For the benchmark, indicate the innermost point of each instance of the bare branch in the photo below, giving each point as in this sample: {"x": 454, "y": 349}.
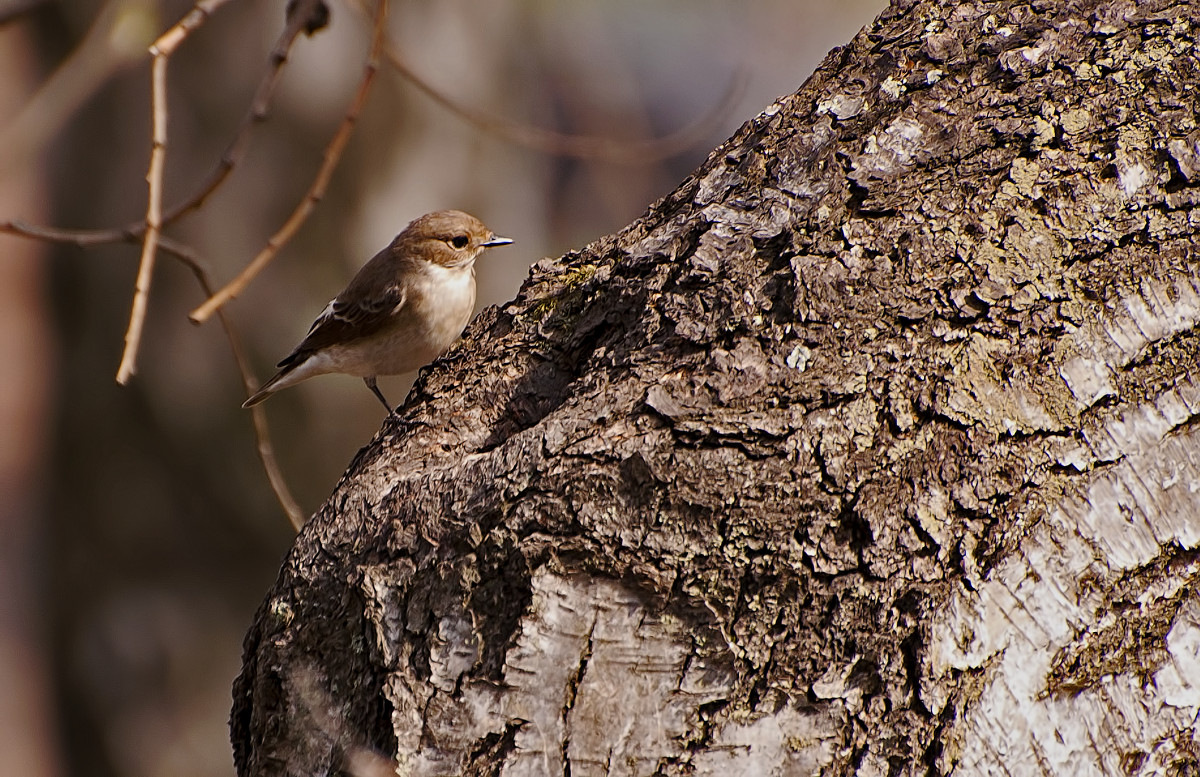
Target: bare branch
{"x": 162, "y": 50}
{"x": 316, "y": 191}
{"x": 149, "y": 230}
{"x": 262, "y": 436}
{"x": 262, "y": 432}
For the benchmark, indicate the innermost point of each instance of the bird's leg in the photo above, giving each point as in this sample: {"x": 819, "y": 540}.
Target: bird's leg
{"x": 375, "y": 390}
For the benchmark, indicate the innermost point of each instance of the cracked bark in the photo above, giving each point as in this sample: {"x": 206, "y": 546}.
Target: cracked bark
{"x": 869, "y": 450}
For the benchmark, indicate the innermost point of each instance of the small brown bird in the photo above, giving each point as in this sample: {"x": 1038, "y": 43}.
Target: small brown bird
{"x": 401, "y": 311}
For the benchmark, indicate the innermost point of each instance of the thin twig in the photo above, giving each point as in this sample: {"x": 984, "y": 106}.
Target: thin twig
{"x": 80, "y": 238}
{"x": 158, "y": 153}
{"x": 316, "y": 191}
{"x": 262, "y": 436}
{"x": 262, "y": 432}
{"x": 576, "y": 146}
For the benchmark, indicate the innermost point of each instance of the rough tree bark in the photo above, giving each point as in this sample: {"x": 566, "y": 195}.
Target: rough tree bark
{"x": 871, "y": 449}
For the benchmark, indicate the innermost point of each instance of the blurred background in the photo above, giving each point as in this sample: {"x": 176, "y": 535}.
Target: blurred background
{"x": 137, "y": 530}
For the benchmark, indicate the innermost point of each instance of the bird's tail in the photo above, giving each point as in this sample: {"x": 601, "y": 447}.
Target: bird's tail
{"x": 301, "y": 365}
{"x": 266, "y": 390}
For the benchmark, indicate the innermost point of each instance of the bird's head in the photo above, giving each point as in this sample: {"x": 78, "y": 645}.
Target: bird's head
{"x": 450, "y": 238}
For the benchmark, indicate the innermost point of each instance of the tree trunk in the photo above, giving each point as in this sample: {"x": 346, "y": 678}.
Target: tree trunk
{"x": 869, "y": 450}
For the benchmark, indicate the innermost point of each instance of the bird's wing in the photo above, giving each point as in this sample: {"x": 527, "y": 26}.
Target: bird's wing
{"x": 344, "y": 321}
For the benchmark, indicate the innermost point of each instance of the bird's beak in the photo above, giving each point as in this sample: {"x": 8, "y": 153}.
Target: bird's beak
{"x": 497, "y": 241}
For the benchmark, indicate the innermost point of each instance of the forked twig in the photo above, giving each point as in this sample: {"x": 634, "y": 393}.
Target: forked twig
{"x": 296, "y": 23}
{"x": 316, "y": 191}
{"x": 161, "y": 50}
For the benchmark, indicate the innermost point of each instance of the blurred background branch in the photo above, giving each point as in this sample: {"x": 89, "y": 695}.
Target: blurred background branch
{"x": 137, "y": 530}
{"x": 607, "y": 149}
{"x": 115, "y": 41}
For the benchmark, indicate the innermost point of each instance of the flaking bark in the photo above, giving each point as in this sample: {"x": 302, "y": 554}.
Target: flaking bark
{"x": 869, "y": 450}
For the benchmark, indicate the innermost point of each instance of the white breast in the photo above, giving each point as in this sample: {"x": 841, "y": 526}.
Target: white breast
{"x": 438, "y": 305}
{"x": 447, "y": 300}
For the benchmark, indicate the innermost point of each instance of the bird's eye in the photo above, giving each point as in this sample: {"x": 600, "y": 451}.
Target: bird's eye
{"x": 459, "y": 241}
